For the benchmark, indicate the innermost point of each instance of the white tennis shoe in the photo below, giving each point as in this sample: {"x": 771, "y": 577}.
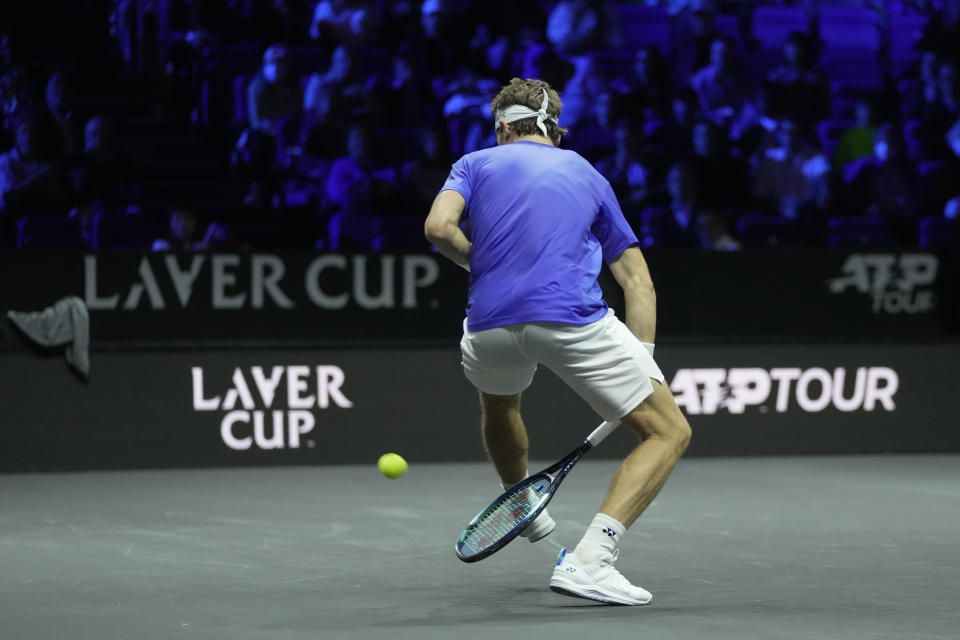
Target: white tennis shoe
{"x": 595, "y": 581}
{"x": 540, "y": 528}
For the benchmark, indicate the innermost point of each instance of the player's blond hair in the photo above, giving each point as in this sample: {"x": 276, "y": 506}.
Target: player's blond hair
{"x": 529, "y": 93}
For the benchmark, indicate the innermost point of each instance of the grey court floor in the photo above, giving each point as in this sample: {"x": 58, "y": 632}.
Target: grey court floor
{"x": 806, "y": 547}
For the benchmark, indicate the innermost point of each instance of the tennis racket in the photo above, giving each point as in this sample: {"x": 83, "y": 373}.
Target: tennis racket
{"x": 518, "y": 506}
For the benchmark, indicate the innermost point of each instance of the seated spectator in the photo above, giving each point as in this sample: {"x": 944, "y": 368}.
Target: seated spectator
{"x": 339, "y": 21}
{"x": 797, "y": 89}
{"x": 719, "y": 85}
{"x": 14, "y": 94}
{"x": 340, "y": 90}
{"x": 60, "y": 112}
{"x": 356, "y": 191}
{"x": 594, "y": 136}
{"x": 940, "y": 115}
{"x": 181, "y": 61}
{"x": 580, "y": 90}
{"x": 884, "y": 183}
{"x": 274, "y": 110}
{"x": 717, "y": 184}
{"x": 575, "y": 27}
{"x": 648, "y": 87}
{"x": 721, "y": 177}
{"x": 920, "y": 88}
{"x": 100, "y": 176}
{"x": 624, "y": 169}
{"x": 669, "y": 140}
{"x": 682, "y": 189}
{"x": 525, "y": 18}
{"x": 466, "y": 111}
{"x": 791, "y": 176}
{"x": 442, "y": 43}
{"x": 491, "y": 53}
{"x": 857, "y": 141}
{"x": 695, "y": 31}
{"x": 185, "y": 233}
{"x": 685, "y": 221}
{"x": 537, "y": 60}
{"x": 27, "y": 179}
{"x": 405, "y": 100}
{"x": 424, "y": 175}
{"x": 273, "y": 97}
{"x": 752, "y": 129}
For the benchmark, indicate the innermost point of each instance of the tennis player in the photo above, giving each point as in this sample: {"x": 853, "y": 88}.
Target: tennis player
{"x": 540, "y": 220}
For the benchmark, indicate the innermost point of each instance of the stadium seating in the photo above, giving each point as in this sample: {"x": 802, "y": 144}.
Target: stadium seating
{"x": 772, "y": 25}
{"x": 46, "y": 231}
{"x": 645, "y": 25}
{"x": 937, "y": 232}
{"x": 122, "y": 231}
{"x": 859, "y": 231}
{"x": 851, "y": 40}
{"x": 757, "y": 230}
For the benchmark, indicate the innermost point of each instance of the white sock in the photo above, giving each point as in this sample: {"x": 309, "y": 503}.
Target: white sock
{"x": 505, "y": 485}
{"x": 600, "y": 540}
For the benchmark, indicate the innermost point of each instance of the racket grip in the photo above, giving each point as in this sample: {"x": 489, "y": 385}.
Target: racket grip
{"x": 600, "y": 433}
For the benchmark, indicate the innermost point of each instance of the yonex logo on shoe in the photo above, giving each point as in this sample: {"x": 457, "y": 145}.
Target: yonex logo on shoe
{"x": 609, "y": 532}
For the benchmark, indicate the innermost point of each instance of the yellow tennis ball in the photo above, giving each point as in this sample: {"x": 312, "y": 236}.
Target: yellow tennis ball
{"x": 391, "y": 465}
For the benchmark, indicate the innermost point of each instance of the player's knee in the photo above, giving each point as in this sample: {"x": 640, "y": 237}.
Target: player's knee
{"x": 682, "y": 434}
{"x": 676, "y": 431}
{"x": 670, "y": 426}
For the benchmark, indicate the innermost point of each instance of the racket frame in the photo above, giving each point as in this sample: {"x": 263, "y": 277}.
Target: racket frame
{"x": 554, "y": 474}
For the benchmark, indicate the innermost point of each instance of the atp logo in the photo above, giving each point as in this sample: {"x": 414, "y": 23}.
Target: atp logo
{"x": 707, "y": 391}
{"x": 896, "y": 284}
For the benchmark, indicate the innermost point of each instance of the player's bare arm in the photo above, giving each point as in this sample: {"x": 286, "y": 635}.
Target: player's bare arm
{"x": 442, "y": 227}
{"x": 630, "y": 271}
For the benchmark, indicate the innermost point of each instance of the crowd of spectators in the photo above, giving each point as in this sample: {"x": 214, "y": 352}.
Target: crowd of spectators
{"x": 716, "y": 129}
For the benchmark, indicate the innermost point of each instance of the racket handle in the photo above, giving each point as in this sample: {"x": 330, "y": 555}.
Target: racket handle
{"x": 602, "y": 432}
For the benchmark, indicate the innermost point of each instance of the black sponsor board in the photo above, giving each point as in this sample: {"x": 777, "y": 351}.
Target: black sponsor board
{"x": 228, "y": 298}
{"x": 311, "y": 298}
{"x": 199, "y": 408}
{"x": 822, "y": 294}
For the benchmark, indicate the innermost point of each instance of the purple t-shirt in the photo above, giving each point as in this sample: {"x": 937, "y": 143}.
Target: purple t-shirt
{"x": 541, "y": 220}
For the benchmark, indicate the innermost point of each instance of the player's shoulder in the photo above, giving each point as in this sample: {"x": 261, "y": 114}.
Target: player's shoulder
{"x": 575, "y": 158}
{"x": 584, "y": 167}
{"x": 511, "y": 152}
{"x": 476, "y": 159}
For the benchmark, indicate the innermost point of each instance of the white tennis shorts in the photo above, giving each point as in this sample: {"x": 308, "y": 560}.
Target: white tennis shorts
{"x": 602, "y": 362}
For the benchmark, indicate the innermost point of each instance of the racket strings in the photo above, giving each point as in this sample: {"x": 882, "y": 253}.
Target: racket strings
{"x": 502, "y": 517}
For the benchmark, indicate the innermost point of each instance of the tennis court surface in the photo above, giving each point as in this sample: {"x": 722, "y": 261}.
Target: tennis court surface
{"x": 831, "y": 547}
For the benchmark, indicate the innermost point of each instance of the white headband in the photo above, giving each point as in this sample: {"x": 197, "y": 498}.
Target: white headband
{"x": 519, "y": 112}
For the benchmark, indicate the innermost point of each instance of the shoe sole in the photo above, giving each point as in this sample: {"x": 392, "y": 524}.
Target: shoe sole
{"x": 558, "y": 585}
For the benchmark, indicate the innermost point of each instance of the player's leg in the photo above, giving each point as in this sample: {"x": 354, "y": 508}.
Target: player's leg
{"x": 588, "y": 572}
{"x": 495, "y": 366}
{"x": 612, "y": 371}
{"x": 666, "y": 434}
{"x": 505, "y": 438}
